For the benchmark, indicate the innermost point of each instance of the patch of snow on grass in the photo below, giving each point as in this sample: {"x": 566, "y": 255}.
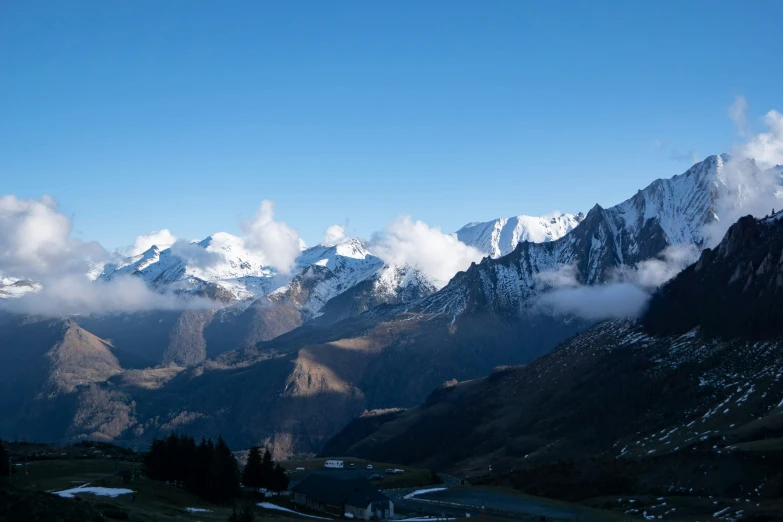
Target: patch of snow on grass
{"x": 269, "y": 505}
{"x": 422, "y": 492}
{"x": 101, "y": 492}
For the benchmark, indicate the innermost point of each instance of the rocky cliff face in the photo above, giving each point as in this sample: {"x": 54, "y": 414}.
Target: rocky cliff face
{"x": 735, "y": 289}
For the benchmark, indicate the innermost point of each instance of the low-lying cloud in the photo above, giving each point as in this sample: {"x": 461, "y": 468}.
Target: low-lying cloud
{"x": 437, "y": 255}
{"x": 75, "y": 294}
{"x": 606, "y": 301}
{"x": 626, "y": 295}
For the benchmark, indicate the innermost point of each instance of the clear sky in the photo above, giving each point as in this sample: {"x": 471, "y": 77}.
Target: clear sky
{"x": 143, "y": 115}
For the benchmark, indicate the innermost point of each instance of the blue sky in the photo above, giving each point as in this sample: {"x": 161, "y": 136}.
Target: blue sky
{"x": 184, "y": 115}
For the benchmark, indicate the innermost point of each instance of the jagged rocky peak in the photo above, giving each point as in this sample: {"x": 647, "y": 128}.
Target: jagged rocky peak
{"x": 734, "y": 290}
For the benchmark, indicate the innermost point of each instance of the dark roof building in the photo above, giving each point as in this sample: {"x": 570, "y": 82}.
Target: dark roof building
{"x": 336, "y": 496}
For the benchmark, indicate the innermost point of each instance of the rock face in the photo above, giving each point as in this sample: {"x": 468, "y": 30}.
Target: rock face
{"x": 735, "y": 289}
{"x": 668, "y": 212}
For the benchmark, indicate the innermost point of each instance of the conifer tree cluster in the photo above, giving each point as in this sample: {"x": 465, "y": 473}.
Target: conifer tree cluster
{"x": 261, "y": 472}
{"x": 208, "y": 470}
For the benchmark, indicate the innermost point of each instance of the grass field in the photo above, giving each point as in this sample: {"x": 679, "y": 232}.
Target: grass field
{"x": 155, "y": 501}
{"x": 62, "y": 468}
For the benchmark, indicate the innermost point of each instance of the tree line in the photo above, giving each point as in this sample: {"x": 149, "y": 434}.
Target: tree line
{"x": 5, "y": 459}
{"x": 209, "y": 469}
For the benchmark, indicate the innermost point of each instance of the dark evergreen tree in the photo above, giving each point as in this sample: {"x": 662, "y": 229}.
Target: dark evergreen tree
{"x": 279, "y": 479}
{"x": 204, "y": 455}
{"x": 224, "y": 474}
{"x": 172, "y": 461}
{"x": 5, "y": 468}
{"x": 267, "y": 470}
{"x": 210, "y": 471}
{"x": 154, "y": 460}
{"x": 252, "y": 475}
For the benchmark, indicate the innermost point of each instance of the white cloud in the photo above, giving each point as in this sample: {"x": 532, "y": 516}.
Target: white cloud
{"x": 737, "y": 113}
{"x": 36, "y": 240}
{"x": 626, "y": 295}
{"x": 75, "y": 294}
{"x": 334, "y": 235}
{"x": 160, "y": 238}
{"x": 652, "y": 273}
{"x": 767, "y": 148}
{"x": 437, "y": 255}
{"x": 607, "y": 301}
{"x": 195, "y": 255}
{"x": 279, "y": 243}
{"x": 564, "y": 276}
{"x": 752, "y": 188}
{"x": 36, "y": 243}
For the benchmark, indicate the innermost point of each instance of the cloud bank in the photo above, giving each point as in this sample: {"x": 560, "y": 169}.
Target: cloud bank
{"x": 75, "y": 294}
{"x": 626, "y": 295}
{"x": 437, "y": 255}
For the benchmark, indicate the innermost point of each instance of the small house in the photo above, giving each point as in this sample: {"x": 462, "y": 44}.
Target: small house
{"x": 356, "y": 497}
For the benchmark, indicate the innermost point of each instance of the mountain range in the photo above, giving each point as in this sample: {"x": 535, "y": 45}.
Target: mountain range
{"x": 291, "y": 359}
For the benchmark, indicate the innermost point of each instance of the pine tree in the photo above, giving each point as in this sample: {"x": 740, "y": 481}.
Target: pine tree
{"x": 224, "y": 474}
{"x": 4, "y": 461}
{"x": 252, "y": 476}
{"x": 279, "y": 479}
{"x": 204, "y": 455}
{"x": 155, "y": 459}
{"x": 267, "y": 470}
{"x": 171, "y": 461}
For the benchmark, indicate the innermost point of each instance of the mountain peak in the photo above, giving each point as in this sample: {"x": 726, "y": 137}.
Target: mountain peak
{"x": 501, "y": 236}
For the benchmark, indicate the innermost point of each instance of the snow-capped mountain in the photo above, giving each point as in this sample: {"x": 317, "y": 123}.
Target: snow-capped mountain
{"x": 220, "y": 267}
{"x": 668, "y": 212}
{"x": 220, "y": 263}
{"x": 11, "y": 287}
{"x": 500, "y": 236}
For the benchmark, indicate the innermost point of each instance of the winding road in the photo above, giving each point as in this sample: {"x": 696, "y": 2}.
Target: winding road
{"x": 459, "y": 501}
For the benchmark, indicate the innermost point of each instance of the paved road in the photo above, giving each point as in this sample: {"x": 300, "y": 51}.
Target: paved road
{"x": 457, "y": 501}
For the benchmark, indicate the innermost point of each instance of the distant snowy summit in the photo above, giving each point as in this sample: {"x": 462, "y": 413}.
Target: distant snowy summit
{"x": 501, "y": 236}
